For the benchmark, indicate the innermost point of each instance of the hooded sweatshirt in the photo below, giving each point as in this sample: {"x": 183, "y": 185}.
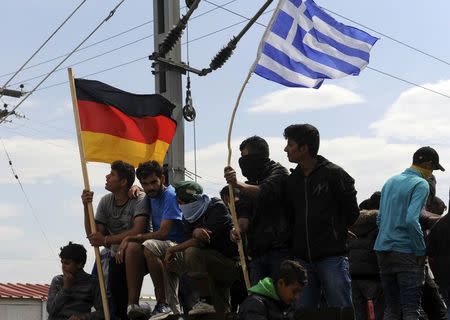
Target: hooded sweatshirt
{"x": 325, "y": 205}
{"x": 264, "y": 303}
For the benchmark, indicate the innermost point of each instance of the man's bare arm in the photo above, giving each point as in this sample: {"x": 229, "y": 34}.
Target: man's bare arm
{"x": 161, "y": 234}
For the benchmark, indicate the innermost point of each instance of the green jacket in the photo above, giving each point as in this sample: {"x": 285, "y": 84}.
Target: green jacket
{"x": 264, "y": 303}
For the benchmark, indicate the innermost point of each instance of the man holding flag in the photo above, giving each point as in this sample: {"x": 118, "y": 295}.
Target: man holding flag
{"x": 117, "y": 217}
{"x": 113, "y": 124}
{"x": 301, "y": 47}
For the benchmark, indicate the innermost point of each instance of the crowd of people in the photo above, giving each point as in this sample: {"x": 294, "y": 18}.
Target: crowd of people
{"x": 307, "y": 242}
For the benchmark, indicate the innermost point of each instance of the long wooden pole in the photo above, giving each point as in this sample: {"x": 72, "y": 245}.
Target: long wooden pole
{"x": 230, "y": 187}
{"x": 98, "y": 261}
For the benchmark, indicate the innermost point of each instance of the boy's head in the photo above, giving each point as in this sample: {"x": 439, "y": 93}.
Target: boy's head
{"x": 73, "y": 257}
{"x": 289, "y": 281}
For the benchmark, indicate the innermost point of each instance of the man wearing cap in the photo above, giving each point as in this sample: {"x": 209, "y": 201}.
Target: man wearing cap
{"x": 209, "y": 253}
{"x": 400, "y": 244}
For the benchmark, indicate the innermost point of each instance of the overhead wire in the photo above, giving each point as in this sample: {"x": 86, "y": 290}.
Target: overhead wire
{"x": 355, "y": 22}
{"x": 106, "y": 39}
{"x": 189, "y": 88}
{"x": 82, "y": 48}
{"x": 409, "y": 82}
{"x": 143, "y": 58}
{"x": 223, "y": 29}
{"x": 389, "y": 37}
{"x": 27, "y": 198}
{"x": 42, "y": 45}
{"x": 125, "y": 45}
{"x": 87, "y": 59}
{"x": 112, "y": 12}
{"x": 370, "y": 68}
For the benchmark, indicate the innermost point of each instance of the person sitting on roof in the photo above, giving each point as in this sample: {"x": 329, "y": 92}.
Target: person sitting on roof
{"x": 117, "y": 217}
{"x": 209, "y": 253}
{"x": 73, "y": 293}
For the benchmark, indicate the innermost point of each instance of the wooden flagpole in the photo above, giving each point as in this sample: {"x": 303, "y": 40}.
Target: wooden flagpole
{"x": 230, "y": 188}
{"x": 101, "y": 278}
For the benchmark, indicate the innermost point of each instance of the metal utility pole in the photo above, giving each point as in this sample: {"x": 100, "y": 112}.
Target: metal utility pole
{"x": 166, "y": 14}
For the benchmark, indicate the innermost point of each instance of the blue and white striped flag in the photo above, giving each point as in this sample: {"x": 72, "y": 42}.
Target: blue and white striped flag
{"x": 303, "y": 45}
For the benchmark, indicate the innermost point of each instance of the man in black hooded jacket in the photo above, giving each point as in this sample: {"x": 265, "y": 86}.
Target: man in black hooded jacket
{"x": 270, "y": 230}
{"x": 323, "y": 198}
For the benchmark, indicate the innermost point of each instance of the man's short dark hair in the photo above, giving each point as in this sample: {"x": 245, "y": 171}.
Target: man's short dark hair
{"x": 436, "y": 206}
{"x": 291, "y": 272}
{"x": 149, "y": 168}
{"x": 75, "y": 252}
{"x": 255, "y": 145}
{"x": 124, "y": 171}
{"x": 373, "y": 203}
{"x": 304, "y": 134}
{"x": 225, "y": 192}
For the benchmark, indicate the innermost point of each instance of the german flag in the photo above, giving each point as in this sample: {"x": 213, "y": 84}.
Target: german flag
{"x": 118, "y": 125}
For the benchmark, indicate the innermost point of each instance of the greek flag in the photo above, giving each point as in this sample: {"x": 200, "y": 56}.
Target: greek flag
{"x": 303, "y": 45}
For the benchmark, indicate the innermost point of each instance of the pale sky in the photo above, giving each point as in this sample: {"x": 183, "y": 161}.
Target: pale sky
{"x": 370, "y": 124}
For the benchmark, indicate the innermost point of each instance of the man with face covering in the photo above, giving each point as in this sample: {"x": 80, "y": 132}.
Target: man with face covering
{"x": 270, "y": 229}
{"x": 209, "y": 253}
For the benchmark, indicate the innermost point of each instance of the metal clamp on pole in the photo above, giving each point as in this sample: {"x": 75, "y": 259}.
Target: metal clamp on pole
{"x": 219, "y": 59}
{"x": 169, "y": 64}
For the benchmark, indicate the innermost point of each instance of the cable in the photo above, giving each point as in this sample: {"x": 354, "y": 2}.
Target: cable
{"x": 109, "y": 38}
{"x": 409, "y": 82}
{"x": 27, "y": 198}
{"x": 371, "y": 68}
{"x": 225, "y": 28}
{"x": 16, "y": 130}
{"x": 87, "y": 59}
{"x": 45, "y": 42}
{"x": 189, "y": 90}
{"x": 95, "y": 73}
{"x": 389, "y": 37}
{"x": 355, "y": 22}
{"x": 67, "y": 57}
{"x": 142, "y": 58}
{"x": 218, "y": 6}
{"x": 83, "y": 48}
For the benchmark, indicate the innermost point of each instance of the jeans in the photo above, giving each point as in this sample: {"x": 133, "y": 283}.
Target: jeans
{"x": 266, "y": 265}
{"x": 329, "y": 276}
{"x": 433, "y": 304}
{"x": 403, "y": 293}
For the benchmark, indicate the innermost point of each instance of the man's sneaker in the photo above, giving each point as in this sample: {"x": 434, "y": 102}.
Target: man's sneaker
{"x": 161, "y": 311}
{"x": 134, "y": 311}
{"x": 202, "y": 308}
